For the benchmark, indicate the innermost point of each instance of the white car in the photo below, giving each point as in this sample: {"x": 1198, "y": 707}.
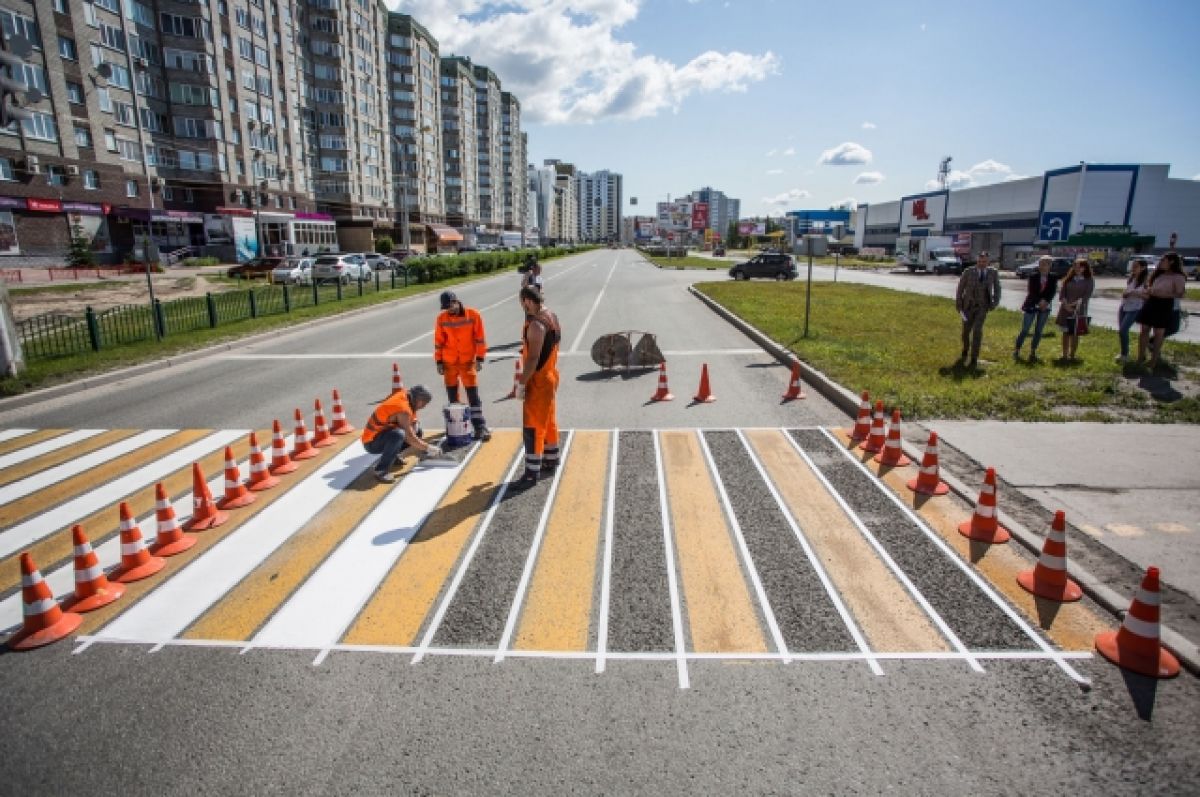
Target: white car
{"x": 296, "y": 271}
{"x": 1151, "y": 262}
{"x": 340, "y": 268}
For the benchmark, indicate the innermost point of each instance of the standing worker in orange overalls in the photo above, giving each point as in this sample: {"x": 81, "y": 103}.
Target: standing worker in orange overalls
{"x": 538, "y": 386}
{"x": 459, "y": 348}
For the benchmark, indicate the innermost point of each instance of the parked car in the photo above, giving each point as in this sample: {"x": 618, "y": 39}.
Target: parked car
{"x": 1058, "y": 268}
{"x": 294, "y": 271}
{"x": 257, "y": 267}
{"x": 718, "y": 251}
{"x": 1191, "y": 267}
{"x": 773, "y": 265}
{"x": 340, "y": 268}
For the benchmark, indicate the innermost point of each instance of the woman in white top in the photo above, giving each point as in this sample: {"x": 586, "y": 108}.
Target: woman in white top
{"x": 1166, "y": 287}
{"x": 1131, "y": 304}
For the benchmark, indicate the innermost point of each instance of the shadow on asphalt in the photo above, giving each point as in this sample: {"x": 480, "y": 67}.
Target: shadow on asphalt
{"x": 1159, "y": 388}
{"x": 446, "y": 518}
{"x": 1047, "y": 611}
{"x": 616, "y": 373}
{"x": 1143, "y": 690}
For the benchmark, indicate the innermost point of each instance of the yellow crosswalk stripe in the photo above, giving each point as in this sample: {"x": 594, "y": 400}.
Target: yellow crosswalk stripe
{"x": 396, "y": 612}
{"x": 52, "y": 458}
{"x": 558, "y": 606}
{"x": 26, "y": 440}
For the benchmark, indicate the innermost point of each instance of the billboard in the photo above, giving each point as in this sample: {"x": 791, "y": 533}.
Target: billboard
{"x": 923, "y": 212}
{"x": 752, "y": 228}
{"x": 675, "y": 215}
{"x": 645, "y": 229}
{"x": 699, "y": 215}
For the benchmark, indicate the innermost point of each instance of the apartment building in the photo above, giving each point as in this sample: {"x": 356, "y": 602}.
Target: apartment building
{"x": 459, "y": 142}
{"x": 488, "y": 155}
{"x": 600, "y": 200}
{"x": 721, "y": 209}
{"x": 564, "y": 213}
{"x": 512, "y": 163}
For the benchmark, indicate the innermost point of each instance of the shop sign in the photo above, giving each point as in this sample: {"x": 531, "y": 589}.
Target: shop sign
{"x": 314, "y": 217}
{"x": 235, "y": 212}
{"x": 185, "y": 216}
{"x": 82, "y": 207}
{"x": 1107, "y": 229}
{"x": 12, "y": 202}
{"x": 44, "y": 205}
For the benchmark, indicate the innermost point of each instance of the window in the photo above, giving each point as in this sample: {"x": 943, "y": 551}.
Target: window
{"x": 66, "y": 49}
{"x": 110, "y": 140}
{"x": 109, "y": 5}
{"x": 74, "y": 93}
{"x": 15, "y": 24}
{"x": 139, "y": 13}
{"x": 41, "y": 126}
{"x": 112, "y": 37}
{"x": 188, "y": 94}
{"x": 168, "y": 192}
{"x": 131, "y": 188}
{"x": 188, "y": 27}
{"x": 104, "y": 99}
{"x": 91, "y": 179}
{"x": 129, "y": 150}
{"x": 188, "y": 60}
{"x": 188, "y": 197}
{"x": 83, "y": 136}
{"x": 60, "y": 6}
{"x": 6, "y": 169}
{"x": 123, "y": 113}
{"x": 261, "y": 58}
{"x": 245, "y": 48}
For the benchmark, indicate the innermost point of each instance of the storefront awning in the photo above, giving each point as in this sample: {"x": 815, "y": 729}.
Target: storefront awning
{"x": 444, "y": 233}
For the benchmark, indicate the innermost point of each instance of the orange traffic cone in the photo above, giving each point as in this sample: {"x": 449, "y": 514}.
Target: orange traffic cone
{"x": 875, "y": 439}
{"x": 892, "y": 455}
{"x": 512, "y": 394}
{"x": 1048, "y": 579}
{"x": 171, "y": 539}
{"x": 340, "y": 424}
{"x": 795, "y": 389}
{"x": 280, "y": 461}
{"x": 663, "y": 393}
{"x": 205, "y": 513}
{"x": 862, "y": 425}
{"x": 136, "y": 561}
{"x": 260, "y": 474}
{"x": 301, "y": 447}
{"x": 1136, "y": 646}
{"x": 928, "y": 481}
{"x": 983, "y": 526}
{"x": 704, "y": 394}
{"x": 44, "y": 620}
{"x": 92, "y": 587}
{"x": 321, "y": 435}
{"x": 236, "y": 494}
{"x": 397, "y": 380}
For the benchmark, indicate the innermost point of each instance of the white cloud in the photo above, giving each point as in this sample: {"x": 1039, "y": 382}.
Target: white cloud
{"x": 869, "y": 178}
{"x": 868, "y": 125}
{"x": 790, "y": 151}
{"x": 990, "y": 166}
{"x": 922, "y": 26}
{"x": 771, "y": 153}
{"x": 847, "y": 153}
{"x": 849, "y": 203}
{"x": 565, "y": 61}
{"x": 786, "y": 198}
{"x": 982, "y": 173}
{"x": 774, "y": 171}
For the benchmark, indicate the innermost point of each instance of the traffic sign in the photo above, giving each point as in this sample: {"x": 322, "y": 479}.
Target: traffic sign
{"x": 1055, "y": 226}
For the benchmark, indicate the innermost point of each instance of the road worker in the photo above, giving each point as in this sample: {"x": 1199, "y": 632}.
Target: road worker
{"x": 537, "y": 385}
{"x": 459, "y": 349}
{"x": 393, "y": 432}
{"x": 533, "y": 274}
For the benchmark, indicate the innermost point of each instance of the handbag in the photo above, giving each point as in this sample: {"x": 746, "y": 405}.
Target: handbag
{"x": 1081, "y": 325}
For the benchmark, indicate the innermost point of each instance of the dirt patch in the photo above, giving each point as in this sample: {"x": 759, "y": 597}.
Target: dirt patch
{"x": 113, "y": 292}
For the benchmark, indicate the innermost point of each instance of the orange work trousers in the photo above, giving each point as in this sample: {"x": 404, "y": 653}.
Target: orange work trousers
{"x": 539, "y": 415}
{"x": 452, "y": 372}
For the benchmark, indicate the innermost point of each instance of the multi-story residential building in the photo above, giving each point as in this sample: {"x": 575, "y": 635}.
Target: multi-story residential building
{"x": 512, "y": 163}
{"x": 564, "y": 214}
{"x": 487, "y": 130}
{"x": 541, "y": 199}
{"x": 459, "y": 141}
{"x": 600, "y": 202}
{"x": 721, "y": 209}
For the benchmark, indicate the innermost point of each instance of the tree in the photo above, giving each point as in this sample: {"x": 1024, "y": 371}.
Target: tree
{"x": 384, "y": 245}
{"x": 731, "y": 235}
{"x": 79, "y": 253}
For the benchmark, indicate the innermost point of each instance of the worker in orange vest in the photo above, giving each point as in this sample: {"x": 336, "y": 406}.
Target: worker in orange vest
{"x": 393, "y": 431}
{"x": 537, "y": 385}
{"x": 459, "y": 349}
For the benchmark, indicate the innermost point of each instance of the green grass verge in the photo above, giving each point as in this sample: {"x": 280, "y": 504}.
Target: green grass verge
{"x": 691, "y": 262}
{"x": 902, "y": 347}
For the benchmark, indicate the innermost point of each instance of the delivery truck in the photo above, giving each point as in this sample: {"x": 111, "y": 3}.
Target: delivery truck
{"x": 934, "y": 253}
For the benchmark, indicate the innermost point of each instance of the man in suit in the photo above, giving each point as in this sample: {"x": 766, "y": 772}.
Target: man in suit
{"x": 978, "y": 293}
{"x": 1039, "y": 293}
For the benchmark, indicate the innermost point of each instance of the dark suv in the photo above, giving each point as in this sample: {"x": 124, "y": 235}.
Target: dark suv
{"x": 1058, "y": 268}
{"x": 773, "y": 265}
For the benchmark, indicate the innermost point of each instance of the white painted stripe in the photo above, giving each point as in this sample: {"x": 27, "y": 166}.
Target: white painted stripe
{"x": 1140, "y": 627}
{"x": 25, "y": 534}
{"x": 323, "y": 607}
{"x": 527, "y": 573}
{"x": 12, "y": 434}
{"x": 46, "y": 446}
{"x": 46, "y": 478}
{"x": 606, "y": 567}
{"x": 176, "y": 604}
{"x": 461, "y": 573}
{"x": 672, "y": 584}
{"x": 903, "y": 578}
{"x": 747, "y": 561}
{"x": 856, "y": 634}
{"x": 1058, "y": 656}
{"x": 595, "y": 306}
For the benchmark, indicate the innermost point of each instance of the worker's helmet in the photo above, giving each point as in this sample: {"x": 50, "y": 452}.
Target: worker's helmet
{"x": 448, "y": 298}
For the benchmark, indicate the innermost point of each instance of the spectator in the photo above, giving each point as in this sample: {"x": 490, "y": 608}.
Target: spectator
{"x": 978, "y": 293}
{"x": 1164, "y": 290}
{"x": 1072, "y": 319}
{"x": 1131, "y": 304}
{"x": 1039, "y": 293}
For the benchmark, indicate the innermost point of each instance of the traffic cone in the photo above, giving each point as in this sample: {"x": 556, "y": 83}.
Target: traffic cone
{"x": 44, "y": 621}
{"x": 875, "y": 440}
{"x": 236, "y": 494}
{"x": 983, "y": 526}
{"x": 205, "y": 513}
{"x": 340, "y": 424}
{"x": 512, "y": 394}
{"x": 795, "y": 389}
{"x": 92, "y": 587}
{"x": 862, "y": 425}
{"x": 260, "y": 474}
{"x": 663, "y": 393}
{"x": 136, "y": 561}
{"x": 280, "y": 461}
{"x": 171, "y": 539}
{"x": 928, "y": 481}
{"x": 397, "y": 380}
{"x": 892, "y": 455}
{"x": 704, "y": 394}
{"x": 1136, "y": 646}
{"x": 301, "y": 447}
{"x": 321, "y": 435}
{"x": 1048, "y": 579}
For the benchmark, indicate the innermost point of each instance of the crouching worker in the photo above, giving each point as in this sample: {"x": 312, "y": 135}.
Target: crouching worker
{"x": 393, "y": 431}
{"x": 459, "y": 349}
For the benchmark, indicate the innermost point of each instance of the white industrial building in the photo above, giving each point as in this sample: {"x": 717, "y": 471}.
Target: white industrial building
{"x": 1084, "y": 208}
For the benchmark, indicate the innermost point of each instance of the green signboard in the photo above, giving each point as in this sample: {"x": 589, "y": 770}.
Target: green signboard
{"x": 1107, "y": 229}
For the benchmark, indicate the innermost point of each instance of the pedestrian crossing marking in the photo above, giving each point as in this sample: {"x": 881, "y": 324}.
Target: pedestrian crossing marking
{"x": 17, "y": 465}
{"x": 17, "y": 439}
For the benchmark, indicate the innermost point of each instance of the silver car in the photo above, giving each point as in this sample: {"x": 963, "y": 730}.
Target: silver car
{"x": 340, "y": 268}
{"x": 296, "y": 271}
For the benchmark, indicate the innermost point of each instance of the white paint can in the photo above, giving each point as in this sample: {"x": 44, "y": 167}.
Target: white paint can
{"x": 458, "y": 425}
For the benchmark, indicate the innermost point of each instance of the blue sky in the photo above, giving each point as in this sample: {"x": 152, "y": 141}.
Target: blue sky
{"x": 748, "y": 95}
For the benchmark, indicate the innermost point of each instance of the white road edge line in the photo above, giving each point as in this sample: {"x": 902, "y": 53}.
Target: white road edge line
{"x": 676, "y": 609}
{"x": 979, "y": 581}
{"x": 606, "y": 567}
{"x": 595, "y": 306}
{"x": 847, "y": 618}
{"x": 946, "y": 630}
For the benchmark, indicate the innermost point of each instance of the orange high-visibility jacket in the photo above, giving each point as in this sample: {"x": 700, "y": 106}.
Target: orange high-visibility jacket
{"x": 459, "y": 338}
{"x": 380, "y": 419}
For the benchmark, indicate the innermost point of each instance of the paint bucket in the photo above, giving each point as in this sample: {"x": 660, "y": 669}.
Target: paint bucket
{"x": 458, "y": 425}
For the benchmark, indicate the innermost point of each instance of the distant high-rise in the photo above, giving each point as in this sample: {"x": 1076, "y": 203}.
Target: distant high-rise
{"x": 721, "y": 209}
{"x": 600, "y": 202}
{"x": 460, "y": 140}
{"x": 488, "y": 117}
{"x": 512, "y": 163}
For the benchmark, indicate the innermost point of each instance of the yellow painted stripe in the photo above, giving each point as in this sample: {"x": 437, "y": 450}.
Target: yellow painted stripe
{"x": 26, "y": 440}
{"x": 52, "y": 458}
{"x": 887, "y": 615}
{"x": 558, "y": 607}
{"x": 396, "y": 612}
{"x": 1073, "y": 626}
{"x": 92, "y": 621}
{"x": 56, "y": 548}
{"x": 721, "y": 614}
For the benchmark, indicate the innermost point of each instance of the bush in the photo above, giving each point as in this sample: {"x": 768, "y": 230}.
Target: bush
{"x": 197, "y": 262}
{"x": 384, "y": 245}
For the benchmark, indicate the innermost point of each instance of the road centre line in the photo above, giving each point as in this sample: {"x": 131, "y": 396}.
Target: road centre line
{"x": 971, "y": 573}
{"x": 676, "y": 609}
{"x": 595, "y": 306}
{"x": 47, "y": 446}
{"x": 847, "y": 618}
{"x": 606, "y": 567}
{"x": 946, "y": 630}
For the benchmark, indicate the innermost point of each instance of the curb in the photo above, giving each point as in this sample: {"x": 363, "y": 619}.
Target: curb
{"x": 1108, "y": 598}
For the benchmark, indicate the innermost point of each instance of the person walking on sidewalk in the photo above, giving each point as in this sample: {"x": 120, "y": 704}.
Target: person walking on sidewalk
{"x": 1131, "y": 304}
{"x": 459, "y": 349}
{"x": 1164, "y": 290}
{"x": 537, "y": 385}
{"x": 978, "y": 294}
{"x": 1072, "y": 318}
{"x": 1039, "y": 293}
{"x": 393, "y": 432}
{"x": 533, "y": 276}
